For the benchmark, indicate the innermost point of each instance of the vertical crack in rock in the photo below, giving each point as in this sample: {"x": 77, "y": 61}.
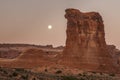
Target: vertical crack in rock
{"x": 85, "y": 44}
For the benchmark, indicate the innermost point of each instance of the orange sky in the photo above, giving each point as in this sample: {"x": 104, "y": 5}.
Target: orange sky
{"x": 26, "y": 21}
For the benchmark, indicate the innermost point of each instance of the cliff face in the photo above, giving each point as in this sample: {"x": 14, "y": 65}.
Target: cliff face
{"x": 85, "y": 44}
{"x": 84, "y": 29}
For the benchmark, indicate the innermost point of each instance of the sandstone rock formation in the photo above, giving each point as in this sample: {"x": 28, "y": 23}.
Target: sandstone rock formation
{"x": 9, "y": 54}
{"x": 114, "y": 52}
{"x": 85, "y": 47}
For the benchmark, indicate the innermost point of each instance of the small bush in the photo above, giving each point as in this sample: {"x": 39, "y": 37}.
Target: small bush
{"x": 58, "y": 72}
{"x": 112, "y": 74}
{"x": 19, "y": 69}
{"x": 79, "y": 74}
{"x": 46, "y": 70}
{"x": 101, "y": 73}
{"x": 84, "y": 74}
{"x": 82, "y": 79}
{"x": 24, "y": 77}
{"x": 69, "y": 78}
{"x": 94, "y": 72}
{"x": 5, "y": 72}
{"x": 15, "y": 74}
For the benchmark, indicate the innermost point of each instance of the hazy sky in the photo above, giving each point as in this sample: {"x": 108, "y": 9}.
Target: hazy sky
{"x": 26, "y": 21}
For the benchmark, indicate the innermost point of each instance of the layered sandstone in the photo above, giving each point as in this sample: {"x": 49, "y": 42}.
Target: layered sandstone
{"x": 85, "y": 44}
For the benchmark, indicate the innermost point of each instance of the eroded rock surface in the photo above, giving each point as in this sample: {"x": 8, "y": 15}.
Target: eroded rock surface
{"x": 85, "y": 45}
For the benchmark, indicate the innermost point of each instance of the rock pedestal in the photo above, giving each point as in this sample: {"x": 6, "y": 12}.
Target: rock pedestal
{"x": 86, "y": 48}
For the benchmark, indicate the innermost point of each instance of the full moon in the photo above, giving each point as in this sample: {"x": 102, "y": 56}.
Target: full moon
{"x": 49, "y": 26}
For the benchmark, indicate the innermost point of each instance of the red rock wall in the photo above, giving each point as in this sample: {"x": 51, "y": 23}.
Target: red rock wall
{"x": 85, "y": 44}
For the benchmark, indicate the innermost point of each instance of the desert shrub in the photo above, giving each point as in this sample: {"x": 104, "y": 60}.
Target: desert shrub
{"x": 101, "y": 73}
{"x": 46, "y": 70}
{"x": 5, "y": 72}
{"x": 9, "y": 76}
{"x": 58, "y": 72}
{"x": 25, "y": 77}
{"x": 33, "y": 79}
{"x": 94, "y": 72}
{"x": 84, "y": 74}
{"x": 81, "y": 79}
{"x": 69, "y": 78}
{"x": 112, "y": 74}
{"x": 19, "y": 69}
{"x": 15, "y": 74}
{"x": 79, "y": 74}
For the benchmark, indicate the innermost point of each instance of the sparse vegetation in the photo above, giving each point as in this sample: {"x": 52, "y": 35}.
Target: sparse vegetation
{"x": 15, "y": 74}
{"x": 19, "y": 69}
{"x": 46, "y": 70}
{"x": 101, "y": 73}
{"x": 79, "y": 74}
{"x": 58, "y": 72}
{"x": 69, "y": 78}
{"x": 25, "y": 77}
{"x": 84, "y": 74}
{"x": 94, "y": 72}
{"x": 23, "y": 74}
{"x": 112, "y": 74}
